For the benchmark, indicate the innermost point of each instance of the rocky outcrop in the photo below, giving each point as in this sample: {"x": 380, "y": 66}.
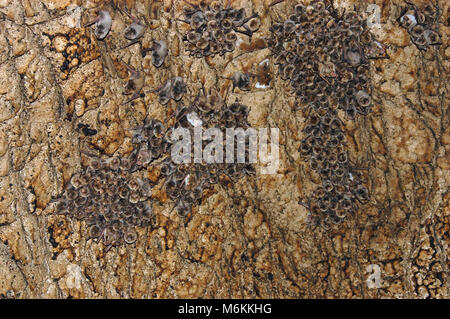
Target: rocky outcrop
{"x": 63, "y": 94}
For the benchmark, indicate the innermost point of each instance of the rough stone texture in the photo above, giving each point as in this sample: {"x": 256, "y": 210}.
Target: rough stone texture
{"x": 250, "y": 240}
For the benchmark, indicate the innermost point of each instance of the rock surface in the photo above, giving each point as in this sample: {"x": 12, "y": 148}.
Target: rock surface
{"x": 246, "y": 241}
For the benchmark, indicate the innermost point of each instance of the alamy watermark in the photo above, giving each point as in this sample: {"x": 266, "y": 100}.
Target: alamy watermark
{"x": 214, "y": 145}
{"x": 231, "y": 145}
